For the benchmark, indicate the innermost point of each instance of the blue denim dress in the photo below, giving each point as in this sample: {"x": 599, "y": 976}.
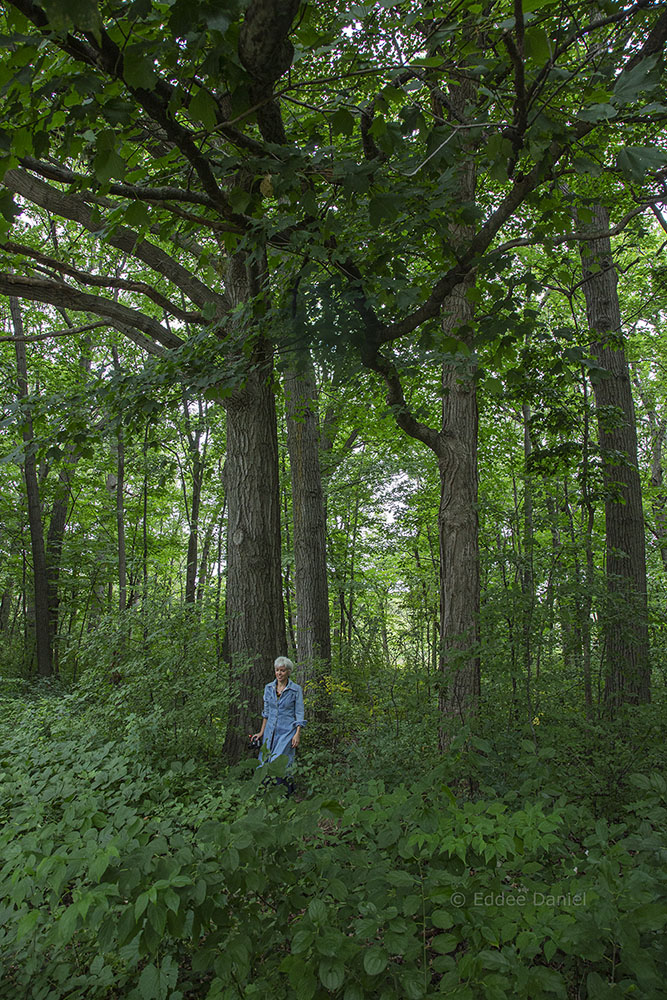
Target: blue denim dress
{"x": 282, "y": 715}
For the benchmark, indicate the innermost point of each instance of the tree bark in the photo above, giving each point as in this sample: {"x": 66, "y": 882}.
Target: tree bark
{"x": 41, "y": 586}
{"x": 119, "y": 450}
{"x": 54, "y": 548}
{"x": 255, "y": 622}
{"x": 309, "y": 519}
{"x": 459, "y": 532}
{"x": 198, "y": 464}
{"x": 626, "y": 615}
{"x": 457, "y": 462}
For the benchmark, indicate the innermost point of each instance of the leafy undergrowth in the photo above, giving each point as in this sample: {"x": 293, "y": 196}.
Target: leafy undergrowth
{"x": 121, "y": 881}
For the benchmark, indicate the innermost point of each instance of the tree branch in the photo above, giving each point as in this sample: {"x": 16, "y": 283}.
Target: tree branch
{"x": 396, "y": 400}
{"x": 70, "y": 332}
{"x": 136, "y": 192}
{"x": 59, "y": 294}
{"x": 69, "y": 206}
{"x": 107, "y": 282}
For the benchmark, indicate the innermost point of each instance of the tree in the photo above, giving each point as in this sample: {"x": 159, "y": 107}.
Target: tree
{"x": 627, "y": 652}
{"x": 310, "y": 557}
{"x": 39, "y": 566}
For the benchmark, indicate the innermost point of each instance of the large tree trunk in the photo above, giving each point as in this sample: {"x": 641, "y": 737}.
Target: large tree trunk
{"x": 41, "y": 587}
{"x": 458, "y": 518}
{"x": 459, "y": 531}
{"x": 255, "y": 622}
{"x": 310, "y": 554}
{"x": 626, "y": 614}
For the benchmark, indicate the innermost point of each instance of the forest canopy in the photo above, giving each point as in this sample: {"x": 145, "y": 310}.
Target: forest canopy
{"x": 333, "y": 332}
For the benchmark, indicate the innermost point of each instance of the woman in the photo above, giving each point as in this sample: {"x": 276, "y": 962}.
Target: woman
{"x": 282, "y": 716}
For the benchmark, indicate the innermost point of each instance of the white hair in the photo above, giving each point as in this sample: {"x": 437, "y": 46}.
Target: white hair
{"x": 284, "y": 661}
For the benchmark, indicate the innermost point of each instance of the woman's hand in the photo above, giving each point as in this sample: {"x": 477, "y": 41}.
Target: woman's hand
{"x": 295, "y": 739}
{"x": 255, "y": 736}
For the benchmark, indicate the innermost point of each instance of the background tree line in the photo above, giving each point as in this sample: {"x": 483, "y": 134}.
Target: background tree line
{"x": 268, "y": 202}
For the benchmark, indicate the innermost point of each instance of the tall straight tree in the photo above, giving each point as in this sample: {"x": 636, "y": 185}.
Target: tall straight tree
{"x": 310, "y": 556}
{"x": 455, "y": 447}
{"x": 40, "y": 577}
{"x": 626, "y": 613}
{"x": 255, "y": 619}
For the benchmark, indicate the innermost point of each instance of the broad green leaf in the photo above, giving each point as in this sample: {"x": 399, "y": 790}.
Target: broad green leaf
{"x": 152, "y": 986}
{"x": 317, "y": 911}
{"x": 203, "y": 108}
{"x": 332, "y": 973}
{"x": 81, "y": 15}
{"x": 138, "y": 69}
{"x": 384, "y": 206}
{"x": 597, "y": 113}
{"x": 108, "y": 164}
{"x": 631, "y": 83}
{"x": 342, "y": 122}
{"x": 375, "y": 961}
{"x": 638, "y": 161}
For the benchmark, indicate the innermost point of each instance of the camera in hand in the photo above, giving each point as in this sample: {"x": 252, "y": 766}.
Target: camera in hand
{"x": 256, "y": 742}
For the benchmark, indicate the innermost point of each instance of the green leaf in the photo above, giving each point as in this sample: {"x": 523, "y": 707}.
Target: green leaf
{"x": 203, "y": 108}
{"x": 342, "y": 122}
{"x": 108, "y": 164}
{"x": 632, "y": 82}
{"x": 317, "y": 911}
{"x": 137, "y": 215}
{"x": 538, "y": 45}
{"x": 442, "y": 919}
{"x": 138, "y": 70}
{"x": 637, "y": 161}
{"x": 384, "y": 206}
{"x": 151, "y": 984}
{"x": 83, "y": 15}
{"x": 597, "y": 113}
{"x": 8, "y": 207}
{"x": 375, "y": 961}
{"x": 353, "y": 991}
{"x": 444, "y": 943}
{"x": 333, "y": 807}
{"x": 67, "y": 924}
{"x": 302, "y": 941}
{"x": 28, "y": 921}
{"x": 332, "y": 973}
{"x": 212, "y": 830}
{"x": 550, "y": 949}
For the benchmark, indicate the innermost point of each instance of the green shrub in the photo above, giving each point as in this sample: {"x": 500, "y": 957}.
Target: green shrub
{"x": 152, "y": 676}
{"x": 121, "y": 880}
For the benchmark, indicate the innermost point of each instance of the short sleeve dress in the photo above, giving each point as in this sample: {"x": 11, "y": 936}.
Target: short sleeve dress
{"x": 283, "y": 714}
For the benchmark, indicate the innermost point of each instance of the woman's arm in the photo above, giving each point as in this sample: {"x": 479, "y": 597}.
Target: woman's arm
{"x": 298, "y": 715}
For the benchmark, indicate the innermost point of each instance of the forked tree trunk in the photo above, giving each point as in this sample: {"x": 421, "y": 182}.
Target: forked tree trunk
{"x": 41, "y": 587}
{"x": 626, "y": 615}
